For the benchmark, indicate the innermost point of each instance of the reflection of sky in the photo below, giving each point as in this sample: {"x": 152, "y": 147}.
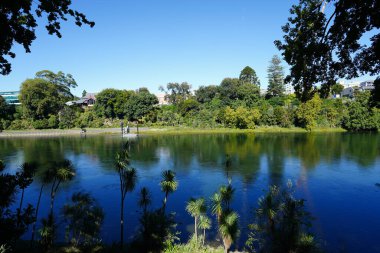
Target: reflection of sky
{"x": 339, "y": 188}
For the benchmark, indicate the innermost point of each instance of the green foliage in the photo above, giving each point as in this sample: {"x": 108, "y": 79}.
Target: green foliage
{"x": 110, "y": 103}
{"x": 39, "y": 99}
{"x": 242, "y": 117}
{"x": 19, "y": 24}
{"x": 336, "y": 89}
{"x": 308, "y": 112}
{"x": 360, "y": 116}
{"x": 176, "y": 92}
{"x": 41, "y": 124}
{"x": 140, "y": 104}
{"x": 193, "y": 246}
{"x": 248, "y": 75}
{"x": 84, "y": 219}
{"x": 188, "y": 106}
{"x": 275, "y": 78}
{"x": 319, "y": 48}
{"x": 67, "y": 117}
{"x": 281, "y": 224}
{"x": 205, "y": 94}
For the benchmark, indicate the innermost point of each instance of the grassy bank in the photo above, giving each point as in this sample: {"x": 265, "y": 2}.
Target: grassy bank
{"x": 187, "y": 130}
{"x": 162, "y": 131}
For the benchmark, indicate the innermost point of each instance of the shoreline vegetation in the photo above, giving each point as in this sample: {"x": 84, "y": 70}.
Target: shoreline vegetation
{"x": 163, "y": 131}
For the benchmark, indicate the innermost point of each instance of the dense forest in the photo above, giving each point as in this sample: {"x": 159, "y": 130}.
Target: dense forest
{"x": 234, "y": 103}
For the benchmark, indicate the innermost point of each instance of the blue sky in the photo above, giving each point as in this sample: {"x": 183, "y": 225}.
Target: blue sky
{"x": 148, "y": 43}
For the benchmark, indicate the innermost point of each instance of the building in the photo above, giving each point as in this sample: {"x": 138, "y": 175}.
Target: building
{"x": 161, "y": 99}
{"x": 289, "y": 89}
{"x": 367, "y": 85}
{"x": 86, "y": 101}
{"x": 11, "y": 97}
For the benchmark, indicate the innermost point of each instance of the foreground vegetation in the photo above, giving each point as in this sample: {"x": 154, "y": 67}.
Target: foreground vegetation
{"x": 278, "y": 213}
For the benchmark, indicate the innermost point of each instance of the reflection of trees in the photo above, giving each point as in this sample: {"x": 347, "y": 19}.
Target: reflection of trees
{"x": 184, "y": 151}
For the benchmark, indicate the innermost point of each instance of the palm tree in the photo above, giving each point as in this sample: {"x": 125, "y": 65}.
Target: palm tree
{"x": 196, "y": 207}
{"x": 269, "y": 206}
{"x": 46, "y": 179}
{"x": 227, "y": 193}
{"x": 228, "y": 229}
{"x": 128, "y": 179}
{"x": 59, "y": 173}
{"x": 204, "y": 223}
{"x": 24, "y": 178}
{"x": 168, "y": 185}
{"x": 217, "y": 205}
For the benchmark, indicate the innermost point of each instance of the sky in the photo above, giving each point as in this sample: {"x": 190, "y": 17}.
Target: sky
{"x": 148, "y": 43}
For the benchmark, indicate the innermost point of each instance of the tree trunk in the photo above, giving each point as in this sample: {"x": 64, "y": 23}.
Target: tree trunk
{"x": 122, "y": 223}
{"x": 36, "y": 216}
{"x": 204, "y": 236}
{"x": 19, "y": 209}
{"x": 195, "y": 228}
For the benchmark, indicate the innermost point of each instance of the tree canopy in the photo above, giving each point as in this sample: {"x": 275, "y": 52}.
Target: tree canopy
{"x": 320, "y": 48}
{"x": 248, "y": 75}
{"x": 275, "y": 77}
{"x": 18, "y": 23}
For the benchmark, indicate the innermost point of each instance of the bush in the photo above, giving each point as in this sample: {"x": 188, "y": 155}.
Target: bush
{"x": 41, "y": 124}
{"x": 20, "y": 124}
{"x": 53, "y": 121}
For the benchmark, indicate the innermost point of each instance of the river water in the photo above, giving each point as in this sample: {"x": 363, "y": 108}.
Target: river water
{"x": 338, "y": 174}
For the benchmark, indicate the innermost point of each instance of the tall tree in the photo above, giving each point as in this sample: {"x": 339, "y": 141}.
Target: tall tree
{"x": 176, "y": 92}
{"x": 196, "y": 208}
{"x": 248, "y": 75}
{"x": 18, "y": 23}
{"x": 319, "y": 48}
{"x": 275, "y": 77}
{"x": 168, "y": 185}
{"x": 128, "y": 180}
{"x": 204, "y": 224}
{"x": 24, "y": 178}
{"x": 64, "y": 82}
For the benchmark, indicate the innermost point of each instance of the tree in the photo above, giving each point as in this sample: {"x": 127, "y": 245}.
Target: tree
{"x": 19, "y": 22}
{"x": 176, "y": 92}
{"x": 227, "y": 219}
{"x": 205, "y": 94}
{"x": 168, "y": 185}
{"x": 281, "y": 224}
{"x": 248, "y": 75}
{"x": 24, "y": 179}
{"x": 39, "y": 99}
{"x": 275, "y": 77}
{"x": 308, "y": 112}
{"x": 140, "y": 104}
{"x": 64, "y": 82}
{"x": 84, "y": 219}
{"x": 375, "y": 94}
{"x": 196, "y": 208}
{"x": 128, "y": 180}
{"x": 337, "y": 89}
{"x": 229, "y": 228}
{"x": 57, "y": 174}
{"x": 229, "y": 89}
{"x": 111, "y": 103}
{"x": 204, "y": 223}
{"x": 320, "y": 48}
{"x": 188, "y": 106}
{"x": 84, "y": 93}
{"x": 145, "y": 199}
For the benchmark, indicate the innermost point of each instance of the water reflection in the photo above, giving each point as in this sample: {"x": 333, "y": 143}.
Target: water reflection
{"x": 327, "y": 168}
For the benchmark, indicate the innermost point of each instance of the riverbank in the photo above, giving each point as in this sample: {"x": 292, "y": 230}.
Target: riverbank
{"x": 159, "y": 131}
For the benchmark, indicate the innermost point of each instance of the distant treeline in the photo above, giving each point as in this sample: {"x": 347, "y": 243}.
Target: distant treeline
{"x": 235, "y": 103}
